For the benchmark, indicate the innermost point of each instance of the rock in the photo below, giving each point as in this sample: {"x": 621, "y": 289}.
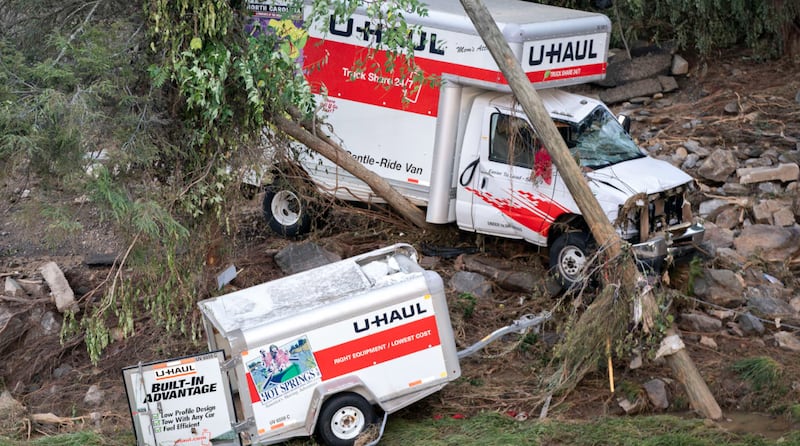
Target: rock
{"x": 472, "y": 283}
{"x": 731, "y": 108}
{"x": 61, "y": 371}
{"x": 94, "y": 396}
{"x": 763, "y": 210}
{"x": 681, "y": 153}
{"x": 718, "y": 166}
{"x": 62, "y": 294}
{"x": 721, "y": 287}
{"x": 700, "y": 322}
{"x": 787, "y": 341}
{"x": 766, "y": 301}
{"x": 11, "y": 411}
{"x": 783, "y": 217}
{"x": 708, "y": 342}
{"x": 729, "y": 217}
{"x": 668, "y": 83}
{"x": 750, "y": 324}
{"x": 12, "y": 327}
{"x": 783, "y": 172}
{"x": 709, "y": 207}
{"x": 795, "y": 304}
{"x": 691, "y": 161}
{"x": 729, "y": 258}
{"x": 695, "y": 147}
{"x": 50, "y": 324}
{"x": 657, "y": 393}
{"x": 716, "y": 238}
{"x": 680, "y": 66}
{"x": 770, "y": 243}
{"x": 304, "y": 256}
{"x": 13, "y": 288}
{"x": 644, "y": 87}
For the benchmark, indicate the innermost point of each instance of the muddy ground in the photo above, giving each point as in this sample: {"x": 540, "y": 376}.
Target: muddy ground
{"x": 50, "y": 377}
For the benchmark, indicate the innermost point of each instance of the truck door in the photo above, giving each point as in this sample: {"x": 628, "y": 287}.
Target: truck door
{"x": 512, "y": 188}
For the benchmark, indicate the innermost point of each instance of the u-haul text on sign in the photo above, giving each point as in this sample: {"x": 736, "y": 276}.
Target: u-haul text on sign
{"x": 183, "y": 401}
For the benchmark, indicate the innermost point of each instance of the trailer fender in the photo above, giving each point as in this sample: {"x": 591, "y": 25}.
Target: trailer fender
{"x": 327, "y": 389}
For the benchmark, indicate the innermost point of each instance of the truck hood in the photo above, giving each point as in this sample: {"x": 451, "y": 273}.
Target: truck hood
{"x": 646, "y": 174}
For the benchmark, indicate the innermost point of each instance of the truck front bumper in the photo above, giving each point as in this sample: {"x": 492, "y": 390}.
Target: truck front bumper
{"x": 678, "y": 242}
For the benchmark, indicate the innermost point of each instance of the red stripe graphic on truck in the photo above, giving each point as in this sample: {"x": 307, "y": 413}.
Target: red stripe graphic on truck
{"x": 377, "y": 348}
{"x": 330, "y": 64}
{"x": 536, "y": 213}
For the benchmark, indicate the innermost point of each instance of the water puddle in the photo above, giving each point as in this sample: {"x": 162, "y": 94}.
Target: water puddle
{"x": 768, "y": 426}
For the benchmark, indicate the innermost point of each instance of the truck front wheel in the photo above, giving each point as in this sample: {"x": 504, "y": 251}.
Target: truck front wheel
{"x": 343, "y": 418}
{"x": 286, "y": 211}
{"x": 569, "y": 258}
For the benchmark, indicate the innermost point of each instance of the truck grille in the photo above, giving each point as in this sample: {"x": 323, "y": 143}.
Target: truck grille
{"x": 654, "y": 214}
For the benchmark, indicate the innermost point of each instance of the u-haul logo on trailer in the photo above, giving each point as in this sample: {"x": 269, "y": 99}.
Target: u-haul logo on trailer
{"x": 389, "y": 317}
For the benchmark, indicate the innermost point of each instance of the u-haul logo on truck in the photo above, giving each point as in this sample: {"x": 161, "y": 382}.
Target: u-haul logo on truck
{"x": 366, "y": 31}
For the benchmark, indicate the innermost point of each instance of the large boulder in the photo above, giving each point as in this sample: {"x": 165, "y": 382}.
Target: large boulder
{"x": 718, "y": 166}
{"x": 769, "y": 243}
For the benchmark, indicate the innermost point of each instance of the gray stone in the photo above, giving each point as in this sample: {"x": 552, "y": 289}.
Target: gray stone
{"x": 787, "y": 341}
{"x": 783, "y": 217}
{"x": 630, "y": 91}
{"x": 769, "y": 243}
{"x": 62, "y": 293}
{"x": 304, "y": 256}
{"x": 691, "y": 161}
{"x": 783, "y": 172}
{"x": 472, "y": 283}
{"x": 767, "y": 302}
{"x": 721, "y": 287}
{"x": 680, "y": 66}
{"x": 694, "y": 146}
{"x": 13, "y": 288}
{"x": 657, "y": 393}
{"x": 770, "y": 188}
{"x": 729, "y": 217}
{"x": 61, "y": 371}
{"x": 729, "y": 258}
{"x": 94, "y": 396}
{"x": 50, "y": 324}
{"x": 700, "y": 322}
{"x": 708, "y": 207}
{"x": 668, "y": 83}
{"x": 718, "y": 166}
{"x": 717, "y": 237}
{"x": 11, "y": 411}
{"x": 762, "y": 211}
{"x": 731, "y": 108}
{"x": 750, "y": 324}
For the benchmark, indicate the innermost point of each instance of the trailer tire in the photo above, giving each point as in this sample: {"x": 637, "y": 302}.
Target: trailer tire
{"x": 286, "y": 211}
{"x": 343, "y": 418}
{"x": 569, "y": 258}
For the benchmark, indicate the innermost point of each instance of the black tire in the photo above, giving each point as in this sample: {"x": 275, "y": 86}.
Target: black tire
{"x": 569, "y": 258}
{"x": 286, "y": 211}
{"x": 343, "y": 418}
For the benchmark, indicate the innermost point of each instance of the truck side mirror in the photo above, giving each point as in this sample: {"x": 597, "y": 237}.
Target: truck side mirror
{"x": 625, "y": 122}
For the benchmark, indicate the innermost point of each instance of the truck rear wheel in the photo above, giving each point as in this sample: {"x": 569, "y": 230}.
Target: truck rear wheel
{"x": 569, "y": 258}
{"x": 343, "y": 418}
{"x": 286, "y": 211}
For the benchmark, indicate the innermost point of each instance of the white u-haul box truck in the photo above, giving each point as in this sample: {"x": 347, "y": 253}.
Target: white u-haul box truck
{"x": 318, "y": 352}
{"x": 465, "y": 150}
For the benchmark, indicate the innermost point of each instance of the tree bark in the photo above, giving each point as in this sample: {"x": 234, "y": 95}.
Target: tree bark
{"x": 321, "y": 144}
{"x": 602, "y": 230}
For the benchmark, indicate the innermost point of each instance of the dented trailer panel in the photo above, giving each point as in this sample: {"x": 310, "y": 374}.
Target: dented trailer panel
{"x": 381, "y": 330}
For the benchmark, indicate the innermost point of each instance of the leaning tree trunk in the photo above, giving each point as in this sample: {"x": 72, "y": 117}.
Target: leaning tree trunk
{"x": 316, "y": 140}
{"x": 602, "y": 230}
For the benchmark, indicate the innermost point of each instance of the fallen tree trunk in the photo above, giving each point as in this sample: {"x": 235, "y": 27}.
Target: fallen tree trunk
{"x": 317, "y": 141}
{"x": 623, "y": 269}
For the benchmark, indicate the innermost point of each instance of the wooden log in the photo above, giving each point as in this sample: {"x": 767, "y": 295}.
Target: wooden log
{"x": 686, "y": 373}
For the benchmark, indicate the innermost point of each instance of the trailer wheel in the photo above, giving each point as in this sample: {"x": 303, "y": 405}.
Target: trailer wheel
{"x": 569, "y": 258}
{"x": 286, "y": 211}
{"x": 343, "y": 418}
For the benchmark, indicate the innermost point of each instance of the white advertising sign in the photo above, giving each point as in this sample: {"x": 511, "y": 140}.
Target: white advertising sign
{"x": 183, "y": 401}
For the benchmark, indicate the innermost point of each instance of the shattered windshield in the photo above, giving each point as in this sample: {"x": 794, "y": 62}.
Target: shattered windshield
{"x": 599, "y": 140}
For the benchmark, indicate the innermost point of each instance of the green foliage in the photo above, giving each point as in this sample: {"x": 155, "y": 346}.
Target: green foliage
{"x": 762, "y": 372}
{"x": 466, "y": 304}
{"x": 704, "y": 25}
